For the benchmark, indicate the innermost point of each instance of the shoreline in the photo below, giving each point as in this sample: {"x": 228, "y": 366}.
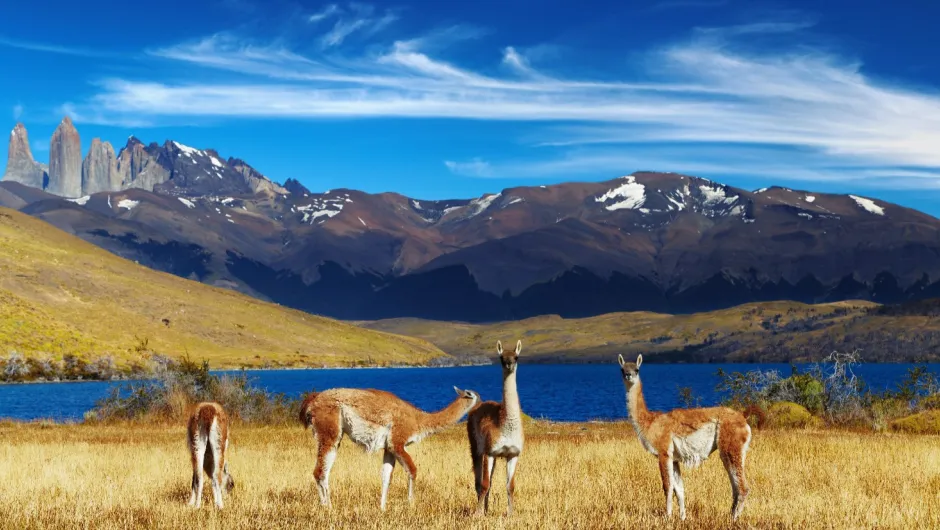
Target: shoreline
{"x": 236, "y": 370}
{"x": 554, "y": 362}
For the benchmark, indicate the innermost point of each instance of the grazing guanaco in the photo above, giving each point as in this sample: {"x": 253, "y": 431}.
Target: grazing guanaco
{"x": 208, "y": 444}
{"x": 688, "y": 436}
{"x": 495, "y": 431}
{"x": 375, "y": 420}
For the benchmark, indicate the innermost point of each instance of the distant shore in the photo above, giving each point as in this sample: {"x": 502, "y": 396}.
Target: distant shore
{"x": 135, "y": 378}
{"x": 534, "y": 361}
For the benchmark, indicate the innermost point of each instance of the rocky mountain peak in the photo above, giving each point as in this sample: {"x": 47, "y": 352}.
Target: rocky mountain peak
{"x": 294, "y": 186}
{"x": 255, "y": 180}
{"x": 99, "y": 170}
{"x": 65, "y": 161}
{"x": 20, "y": 164}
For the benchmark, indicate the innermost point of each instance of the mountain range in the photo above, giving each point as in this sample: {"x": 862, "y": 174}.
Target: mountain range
{"x": 649, "y": 241}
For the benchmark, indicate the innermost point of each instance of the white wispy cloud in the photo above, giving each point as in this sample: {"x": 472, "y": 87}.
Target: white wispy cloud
{"x": 327, "y": 12}
{"x": 341, "y": 30}
{"x": 472, "y": 168}
{"x": 519, "y": 63}
{"x": 226, "y": 51}
{"x": 360, "y": 18}
{"x": 17, "y": 111}
{"x": 54, "y": 48}
{"x": 709, "y": 91}
{"x": 760, "y": 165}
{"x": 92, "y": 115}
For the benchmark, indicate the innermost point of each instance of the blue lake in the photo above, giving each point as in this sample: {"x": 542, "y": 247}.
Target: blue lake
{"x": 567, "y": 392}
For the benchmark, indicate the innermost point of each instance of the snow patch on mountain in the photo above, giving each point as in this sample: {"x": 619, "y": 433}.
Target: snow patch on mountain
{"x": 187, "y": 150}
{"x": 128, "y": 204}
{"x": 322, "y": 208}
{"x": 628, "y": 196}
{"x": 81, "y": 201}
{"x": 480, "y": 205}
{"x": 715, "y": 195}
{"x": 189, "y": 204}
{"x": 809, "y": 198}
{"x": 868, "y": 204}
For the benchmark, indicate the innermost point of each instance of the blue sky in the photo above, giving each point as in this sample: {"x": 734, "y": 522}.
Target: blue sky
{"x": 453, "y": 99}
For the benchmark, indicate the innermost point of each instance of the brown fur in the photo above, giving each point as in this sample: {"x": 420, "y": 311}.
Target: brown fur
{"x": 341, "y": 411}
{"x": 305, "y": 416}
{"x": 490, "y": 425}
{"x": 204, "y": 454}
{"x": 661, "y": 430}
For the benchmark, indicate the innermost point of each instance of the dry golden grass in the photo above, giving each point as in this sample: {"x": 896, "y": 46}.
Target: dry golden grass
{"x": 60, "y": 295}
{"x": 591, "y": 475}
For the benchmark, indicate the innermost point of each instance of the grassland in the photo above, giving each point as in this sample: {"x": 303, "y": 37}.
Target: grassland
{"x": 62, "y": 296}
{"x": 766, "y": 331}
{"x": 591, "y": 475}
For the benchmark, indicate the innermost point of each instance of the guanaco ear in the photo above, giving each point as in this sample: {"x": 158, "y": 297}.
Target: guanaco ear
{"x": 518, "y": 347}
{"x": 458, "y": 391}
{"x": 639, "y": 361}
{"x": 620, "y": 359}
{"x": 499, "y": 347}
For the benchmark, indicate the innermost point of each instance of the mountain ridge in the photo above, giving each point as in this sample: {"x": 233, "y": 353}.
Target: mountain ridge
{"x": 665, "y": 242}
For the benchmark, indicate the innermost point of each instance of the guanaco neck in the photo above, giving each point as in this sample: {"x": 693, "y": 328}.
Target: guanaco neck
{"x": 449, "y": 415}
{"x": 640, "y": 416}
{"x": 511, "y": 410}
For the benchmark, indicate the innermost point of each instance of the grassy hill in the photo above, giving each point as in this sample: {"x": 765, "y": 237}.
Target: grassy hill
{"x": 60, "y": 295}
{"x": 769, "y": 331}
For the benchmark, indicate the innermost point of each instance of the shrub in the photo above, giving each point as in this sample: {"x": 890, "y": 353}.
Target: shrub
{"x": 931, "y": 402}
{"x": 927, "y": 422}
{"x": 886, "y": 409}
{"x": 180, "y": 384}
{"x": 688, "y": 399}
{"x": 789, "y": 415}
{"x": 15, "y": 367}
{"x": 829, "y": 389}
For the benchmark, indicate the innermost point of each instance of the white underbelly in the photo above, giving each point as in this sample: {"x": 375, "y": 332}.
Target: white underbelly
{"x": 507, "y": 446}
{"x": 370, "y": 436}
{"x": 692, "y": 449}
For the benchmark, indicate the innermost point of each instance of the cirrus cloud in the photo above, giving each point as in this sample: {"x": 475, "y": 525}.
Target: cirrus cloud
{"x": 709, "y": 91}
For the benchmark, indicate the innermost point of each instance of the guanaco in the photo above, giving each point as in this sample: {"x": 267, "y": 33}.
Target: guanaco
{"x": 495, "y": 431}
{"x": 688, "y": 436}
{"x": 374, "y": 419}
{"x": 208, "y": 444}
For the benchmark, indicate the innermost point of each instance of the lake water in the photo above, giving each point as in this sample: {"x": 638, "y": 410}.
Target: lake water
{"x": 558, "y": 392}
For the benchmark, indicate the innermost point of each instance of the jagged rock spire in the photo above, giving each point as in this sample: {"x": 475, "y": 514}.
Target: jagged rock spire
{"x": 65, "y": 161}
{"x": 20, "y": 164}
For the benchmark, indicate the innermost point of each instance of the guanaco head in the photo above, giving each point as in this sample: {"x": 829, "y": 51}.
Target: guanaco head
{"x": 227, "y": 479}
{"x": 471, "y": 397}
{"x": 630, "y": 371}
{"x": 508, "y": 359}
